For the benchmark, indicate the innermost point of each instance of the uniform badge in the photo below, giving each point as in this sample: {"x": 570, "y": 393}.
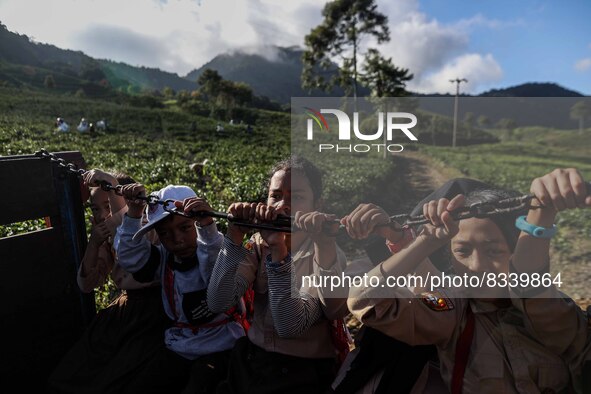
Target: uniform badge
{"x": 250, "y": 246}
{"x": 437, "y": 301}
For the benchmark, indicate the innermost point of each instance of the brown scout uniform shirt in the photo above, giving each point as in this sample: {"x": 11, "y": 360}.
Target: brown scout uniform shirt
{"x": 504, "y": 356}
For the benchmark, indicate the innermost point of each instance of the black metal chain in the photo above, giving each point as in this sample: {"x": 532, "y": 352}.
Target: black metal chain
{"x": 482, "y": 210}
{"x": 479, "y": 210}
{"x": 282, "y": 223}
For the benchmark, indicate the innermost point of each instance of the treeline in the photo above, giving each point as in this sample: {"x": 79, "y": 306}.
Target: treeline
{"x": 221, "y": 99}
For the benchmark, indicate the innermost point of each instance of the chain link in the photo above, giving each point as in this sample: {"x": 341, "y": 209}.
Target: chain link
{"x": 479, "y": 210}
{"x": 282, "y": 223}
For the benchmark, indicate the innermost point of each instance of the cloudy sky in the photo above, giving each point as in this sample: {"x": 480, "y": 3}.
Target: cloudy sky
{"x": 493, "y": 44}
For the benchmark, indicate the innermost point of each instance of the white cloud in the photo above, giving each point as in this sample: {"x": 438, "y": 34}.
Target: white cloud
{"x": 479, "y": 20}
{"x": 180, "y": 35}
{"x": 436, "y": 52}
{"x": 422, "y": 45}
{"x": 185, "y": 33}
{"x": 481, "y": 72}
{"x": 583, "y": 64}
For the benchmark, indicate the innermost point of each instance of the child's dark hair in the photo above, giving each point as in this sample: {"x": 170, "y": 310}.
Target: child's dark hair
{"x": 123, "y": 178}
{"x": 506, "y": 221}
{"x": 302, "y": 165}
{"x": 475, "y": 192}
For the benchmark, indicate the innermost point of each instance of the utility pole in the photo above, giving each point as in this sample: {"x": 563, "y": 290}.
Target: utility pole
{"x": 457, "y": 81}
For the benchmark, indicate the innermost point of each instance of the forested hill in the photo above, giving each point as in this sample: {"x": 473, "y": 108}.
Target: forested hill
{"x": 26, "y": 62}
{"x": 275, "y": 75}
{"x": 547, "y": 89}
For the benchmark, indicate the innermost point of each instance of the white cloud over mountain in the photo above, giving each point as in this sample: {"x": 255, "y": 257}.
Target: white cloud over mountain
{"x": 180, "y": 35}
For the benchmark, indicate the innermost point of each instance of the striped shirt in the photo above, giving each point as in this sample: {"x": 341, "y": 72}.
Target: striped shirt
{"x": 288, "y": 318}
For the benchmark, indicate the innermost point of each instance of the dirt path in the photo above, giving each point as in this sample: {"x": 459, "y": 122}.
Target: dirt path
{"x": 415, "y": 176}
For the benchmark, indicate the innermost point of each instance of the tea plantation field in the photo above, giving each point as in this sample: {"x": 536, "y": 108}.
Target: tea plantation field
{"x": 157, "y": 145}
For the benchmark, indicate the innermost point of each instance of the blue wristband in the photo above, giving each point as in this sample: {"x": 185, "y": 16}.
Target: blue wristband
{"x": 533, "y": 230}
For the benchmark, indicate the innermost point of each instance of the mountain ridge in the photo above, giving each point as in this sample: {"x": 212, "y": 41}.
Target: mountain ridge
{"x": 276, "y": 75}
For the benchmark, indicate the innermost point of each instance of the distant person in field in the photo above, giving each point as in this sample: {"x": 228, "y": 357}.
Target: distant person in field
{"x": 101, "y": 125}
{"x": 125, "y": 335}
{"x": 83, "y": 126}
{"x": 201, "y": 170}
{"x": 61, "y": 125}
{"x": 194, "y": 353}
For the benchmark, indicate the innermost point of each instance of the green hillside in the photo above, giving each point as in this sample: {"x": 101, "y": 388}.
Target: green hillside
{"x": 277, "y": 77}
{"x": 25, "y": 63}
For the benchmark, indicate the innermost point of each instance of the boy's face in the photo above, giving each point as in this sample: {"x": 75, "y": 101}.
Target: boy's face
{"x": 99, "y": 204}
{"x": 480, "y": 246}
{"x": 291, "y": 191}
{"x": 178, "y": 235}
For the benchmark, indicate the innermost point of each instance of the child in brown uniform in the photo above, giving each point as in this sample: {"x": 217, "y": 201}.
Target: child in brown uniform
{"x": 484, "y": 344}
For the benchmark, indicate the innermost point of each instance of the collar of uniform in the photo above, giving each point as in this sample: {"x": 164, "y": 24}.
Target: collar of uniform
{"x": 479, "y": 306}
{"x": 306, "y": 249}
{"x": 182, "y": 265}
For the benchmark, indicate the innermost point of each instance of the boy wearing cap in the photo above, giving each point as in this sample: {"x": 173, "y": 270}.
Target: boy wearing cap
{"x": 198, "y": 342}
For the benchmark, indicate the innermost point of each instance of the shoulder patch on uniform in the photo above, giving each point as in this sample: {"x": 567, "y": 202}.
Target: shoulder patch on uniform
{"x": 437, "y": 301}
{"x": 250, "y": 245}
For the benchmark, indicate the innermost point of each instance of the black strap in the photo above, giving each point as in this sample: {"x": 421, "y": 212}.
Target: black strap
{"x": 148, "y": 272}
{"x": 402, "y": 364}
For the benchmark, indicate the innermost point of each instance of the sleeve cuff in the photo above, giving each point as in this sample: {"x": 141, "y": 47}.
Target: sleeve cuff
{"x": 208, "y": 233}
{"x": 233, "y": 251}
{"x": 279, "y": 267}
{"x": 130, "y": 225}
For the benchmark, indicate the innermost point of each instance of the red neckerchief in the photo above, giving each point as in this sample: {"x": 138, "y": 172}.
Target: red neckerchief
{"x": 169, "y": 286}
{"x": 462, "y": 353}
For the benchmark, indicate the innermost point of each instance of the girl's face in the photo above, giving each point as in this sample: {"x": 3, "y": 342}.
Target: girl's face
{"x": 480, "y": 246}
{"x": 99, "y": 204}
{"x": 291, "y": 192}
